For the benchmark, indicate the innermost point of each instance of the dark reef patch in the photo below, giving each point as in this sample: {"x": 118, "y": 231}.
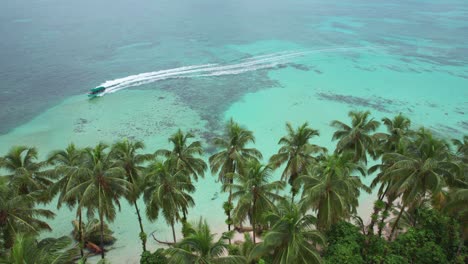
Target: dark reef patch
{"x": 375, "y": 102}
{"x": 211, "y": 97}
{"x": 300, "y": 67}
{"x": 369, "y": 69}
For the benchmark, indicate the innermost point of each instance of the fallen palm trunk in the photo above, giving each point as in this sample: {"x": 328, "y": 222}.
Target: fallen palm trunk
{"x": 161, "y": 242}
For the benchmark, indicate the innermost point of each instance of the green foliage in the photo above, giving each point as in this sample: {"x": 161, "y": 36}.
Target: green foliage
{"x": 157, "y": 257}
{"x": 434, "y": 239}
{"x": 201, "y": 247}
{"x": 344, "y": 244}
{"x": 228, "y": 206}
{"x": 27, "y": 249}
{"x": 92, "y": 232}
{"x": 291, "y": 239}
{"x": 187, "y": 228}
{"x": 416, "y": 246}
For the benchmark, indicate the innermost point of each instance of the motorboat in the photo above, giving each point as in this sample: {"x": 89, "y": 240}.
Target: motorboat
{"x": 96, "y": 91}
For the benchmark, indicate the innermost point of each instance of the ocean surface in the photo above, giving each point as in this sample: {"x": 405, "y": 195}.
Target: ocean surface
{"x": 194, "y": 64}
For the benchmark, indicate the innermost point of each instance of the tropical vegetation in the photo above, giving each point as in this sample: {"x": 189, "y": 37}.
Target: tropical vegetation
{"x": 298, "y": 206}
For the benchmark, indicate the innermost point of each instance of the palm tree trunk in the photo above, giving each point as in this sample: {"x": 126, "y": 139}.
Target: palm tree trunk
{"x": 101, "y": 218}
{"x": 393, "y": 231}
{"x": 173, "y": 232}
{"x": 254, "y": 229}
{"x": 375, "y": 214}
{"x": 80, "y": 234}
{"x": 388, "y": 205}
{"x": 142, "y": 232}
{"x": 396, "y": 222}
{"x": 229, "y": 212}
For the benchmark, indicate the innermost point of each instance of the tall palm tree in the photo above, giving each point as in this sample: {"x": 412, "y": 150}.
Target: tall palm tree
{"x": 105, "y": 183}
{"x": 47, "y": 251}
{"x": 395, "y": 140}
{"x": 17, "y": 214}
{"x": 183, "y": 154}
{"x": 68, "y": 168}
{"x": 25, "y": 171}
{"x": 423, "y": 168}
{"x": 357, "y": 136}
{"x": 167, "y": 190}
{"x": 233, "y": 154}
{"x": 254, "y": 192}
{"x": 200, "y": 246}
{"x": 296, "y": 152}
{"x": 292, "y": 237}
{"x": 332, "y": 190}
{"x": 125, "y": 155}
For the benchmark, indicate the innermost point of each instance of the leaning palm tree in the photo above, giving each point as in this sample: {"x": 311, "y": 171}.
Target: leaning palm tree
{"x": 423, "y": 168}
{"x": 200, "y": 246}
{"x": 234, "y": 153}
{"x": 24, "y": 171}
{"x": 68, "y": 168}
{"x": 183, "y": 154}
{"x": 47, "y": 251}
{"x": 357, "y": 136}
{"x": 296, "y": 152}
{"x": 292, "y": 237}
{"x": 331, "y": 188}
{"x": 167, "y": 190}
{"x": 254, "y": 192}
{"x": 125, "y": 155}
{"x": 17, "y": 214}
{"x": 105, "y": 183}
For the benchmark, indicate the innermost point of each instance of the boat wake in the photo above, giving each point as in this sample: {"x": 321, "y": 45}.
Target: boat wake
{"x": 266, "y": 61}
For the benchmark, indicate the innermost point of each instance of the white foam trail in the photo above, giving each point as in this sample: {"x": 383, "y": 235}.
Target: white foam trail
{"x": 249, "y": 64}
{"x": 148, "y": 74}
{"x": 144, "y": 78}
{"x": 268, "y": 55}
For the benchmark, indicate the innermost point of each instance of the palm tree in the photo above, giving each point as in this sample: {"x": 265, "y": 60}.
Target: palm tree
{"x": 462, "y": 156}
{"x": 69, "y": 170}
{"x": 398, "y": 130}
{"x": 125, "y": 155}
{"x": 104, "y": 185}
{"x": 424, "y": 167}
{"x": 25, "y": 171}
{"x": 167, "y": 190}
{"x": 200, "y": 247}
{"x": 46, "y": 251}
{"x": 356, "y": 137}
{"x": 183, "y": 154}
{"x": 232, "y": 156}
{"x": 395, "y": 140}
{"x": 296, "y": 152}
{"x": 254, "y": 192}
{"x": 332, "y": 190}
{"x": 292, "y": 238}
{"x": 17, "y": 214}
{"x": 462, "y": 148}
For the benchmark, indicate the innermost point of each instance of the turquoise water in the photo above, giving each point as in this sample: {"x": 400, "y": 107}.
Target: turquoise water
{"x": 192, "y": 65}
